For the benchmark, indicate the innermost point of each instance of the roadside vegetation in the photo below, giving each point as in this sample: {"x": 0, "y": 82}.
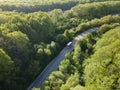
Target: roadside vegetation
{"x": 92, "y": 65}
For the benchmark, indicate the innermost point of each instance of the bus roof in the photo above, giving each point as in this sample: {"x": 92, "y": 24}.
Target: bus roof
{"x": 69, "y": 43}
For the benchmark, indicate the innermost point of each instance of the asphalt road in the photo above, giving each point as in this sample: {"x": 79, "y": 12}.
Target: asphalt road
{"x": 53, "y": 65}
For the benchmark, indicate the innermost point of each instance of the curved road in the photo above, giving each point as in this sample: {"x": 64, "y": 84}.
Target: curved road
{"x": 53, "y": 65}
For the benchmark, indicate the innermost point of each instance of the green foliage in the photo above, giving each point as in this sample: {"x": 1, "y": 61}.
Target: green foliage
{"x": 74, "y": 62}
{"x": 93, "y": 10}
{"x": 76, "y": 55}
{"x": 72, "y": 81}
{"x": 17, "y": 37}
{"x": 6, "y": 69}
{"x": 37, "y": 5}
{"x": 108, "y": 38}
{"x": 56, "y": 15}
{"x": 102, "y": 69}
{"x": 55, "y": 83}
{"x": 20, "y": 39}
{"x": 65, "y": 66}
{"x": 18, "y": 46}
{"x": 33, "y": 69}
{"x": 61, "y": 39}
{"x": 34, "y": 25}
{"x": 6, "y": 65}
{"x": 99, "y": 22}
{"x": 29, "y": 41}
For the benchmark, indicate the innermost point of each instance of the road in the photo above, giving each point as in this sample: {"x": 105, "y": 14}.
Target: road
{"x": 53, "y": 65}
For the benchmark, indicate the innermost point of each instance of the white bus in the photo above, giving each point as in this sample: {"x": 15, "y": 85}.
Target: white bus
{"x": 69, "y": 44}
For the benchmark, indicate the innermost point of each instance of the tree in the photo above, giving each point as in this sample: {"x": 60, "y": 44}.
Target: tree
{"x": 55, "y": 80}
{"x": 6, "y": 69}
{"x": 71, "y": 82}
{"x": 56, "y": 15}
{"x": 64, "y": 66}
{"x": 108, "y": 38}
{"x": 42, "y": 25}
{"x": 76, "y": 56}
{"x": 68, "y": 35}
{"x": 61, "y": 39}
{"x": 102, "y": 69}
{"x": 18, "y": 47}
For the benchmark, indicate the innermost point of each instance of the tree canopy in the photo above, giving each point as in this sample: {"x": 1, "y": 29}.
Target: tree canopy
{"x": 31, "y": 38}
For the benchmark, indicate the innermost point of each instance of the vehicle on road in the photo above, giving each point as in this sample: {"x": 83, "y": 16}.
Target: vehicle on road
{"x": 69, "y": 44}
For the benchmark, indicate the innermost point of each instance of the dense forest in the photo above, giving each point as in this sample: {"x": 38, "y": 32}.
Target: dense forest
{"x": 29, "y": 40}
{"x": 44, "y": 5}
{"x": 93, "y": 65}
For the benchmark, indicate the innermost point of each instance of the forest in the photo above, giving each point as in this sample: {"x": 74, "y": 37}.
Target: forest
{"x": 92, "y": 65}
{"x": 44, "y": 5}
{"x": 30, "y": 38}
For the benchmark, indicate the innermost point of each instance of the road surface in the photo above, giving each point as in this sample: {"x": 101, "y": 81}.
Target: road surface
{"x": 53, "y": 65}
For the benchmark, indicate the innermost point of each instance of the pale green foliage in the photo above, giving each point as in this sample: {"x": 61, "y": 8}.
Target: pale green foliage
{"x": 109, "y": 38}
{"x": 78, "y": 87}
{"x": 56, "y": 15}
{"x": 64, "y": 66}
{"x": 72, "y": 81}
{"x": 76, "y": 55}
{"x": 36, "y": 89}
{"x": 102, "y": 69}
{"x": 54, "y": 81}
{"x": 3, "y": 18}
